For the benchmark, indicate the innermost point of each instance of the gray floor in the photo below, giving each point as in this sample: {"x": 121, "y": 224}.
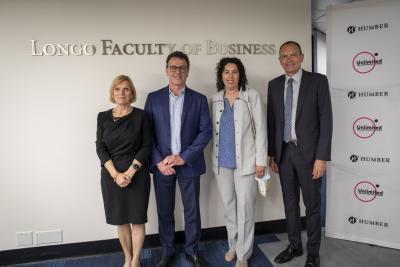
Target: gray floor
{"x": 334, "y": 253}
{"x": 337, "y": 253}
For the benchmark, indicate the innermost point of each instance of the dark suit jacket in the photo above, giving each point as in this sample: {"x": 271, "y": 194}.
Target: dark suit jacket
{"x": 313, "y": 117}
{"x": 195, "y": 130}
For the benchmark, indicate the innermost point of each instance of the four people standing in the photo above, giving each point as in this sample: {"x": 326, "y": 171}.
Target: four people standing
{"x": 299, "y": 132}
{"x": 239, "y": 153}
{"x": 181, "y": 130}
{"x": 299, "y": 144}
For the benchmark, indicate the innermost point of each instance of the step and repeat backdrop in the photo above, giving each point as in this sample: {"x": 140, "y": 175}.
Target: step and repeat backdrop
{"x": 363, "y": 189}
{"x": 57, "y": 60}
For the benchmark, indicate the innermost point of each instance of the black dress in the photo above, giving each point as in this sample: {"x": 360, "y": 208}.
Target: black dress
{"x": 123, "y": 140}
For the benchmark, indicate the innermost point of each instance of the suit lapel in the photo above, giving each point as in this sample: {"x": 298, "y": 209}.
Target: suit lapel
{"x": 187, "y": 102}
{"x": 305, "y": 80}
{"x": 164, "y": 105}
{"x": 281, "y": 99}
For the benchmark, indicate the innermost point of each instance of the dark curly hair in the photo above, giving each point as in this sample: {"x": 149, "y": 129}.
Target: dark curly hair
{"x": 242, "y": 72}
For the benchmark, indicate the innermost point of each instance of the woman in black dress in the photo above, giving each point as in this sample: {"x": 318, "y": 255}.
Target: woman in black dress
{"x": 124, "y": 145}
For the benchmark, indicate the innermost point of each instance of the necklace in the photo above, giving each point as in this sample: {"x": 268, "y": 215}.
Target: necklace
{"x": 116, "y": 116}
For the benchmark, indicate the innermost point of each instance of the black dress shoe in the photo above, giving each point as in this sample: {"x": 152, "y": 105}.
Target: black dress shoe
{"x": 166, "y": 261}
{"x": 312, "y": 261}
{"x": 196, "y": 260}
{"x": 288, "y": 254}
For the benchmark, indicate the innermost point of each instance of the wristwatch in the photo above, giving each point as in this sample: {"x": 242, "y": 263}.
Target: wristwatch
{"x": 135, "y": 166}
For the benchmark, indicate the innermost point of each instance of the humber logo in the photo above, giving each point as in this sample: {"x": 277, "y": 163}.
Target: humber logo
{"x": 351, "y": 29}
{"x": 352, "y": 94}
{"x": 369, "y": 159}
{"x": 362, "y": 94}
{"x": 367, "y": 222}
{"x": 372, "y": 27}
{"x": 352, "y": 220}
{"x": 354, "y": 158}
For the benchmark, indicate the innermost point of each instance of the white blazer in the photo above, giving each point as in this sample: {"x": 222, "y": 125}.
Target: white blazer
{"x": 250, "y": 150}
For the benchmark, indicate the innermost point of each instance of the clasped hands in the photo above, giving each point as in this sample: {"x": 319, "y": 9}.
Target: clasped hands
{"x": 166, "y": 165}
{"x": 123, "y": 179}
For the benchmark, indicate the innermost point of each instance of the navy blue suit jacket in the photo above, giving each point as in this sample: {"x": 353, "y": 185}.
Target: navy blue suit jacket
{"x": 195, "y": 130}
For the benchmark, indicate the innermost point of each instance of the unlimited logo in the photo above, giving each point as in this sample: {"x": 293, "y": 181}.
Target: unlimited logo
{"x": 365, "y": 127}
{"x": 366, "y": 191}
{"x": 364, "y": 62}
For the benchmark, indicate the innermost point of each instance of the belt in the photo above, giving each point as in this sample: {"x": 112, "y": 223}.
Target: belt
{"x": 291, "y": 143}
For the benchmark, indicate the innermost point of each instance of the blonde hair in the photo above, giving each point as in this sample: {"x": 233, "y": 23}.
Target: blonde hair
{"x": 119, "y": 79}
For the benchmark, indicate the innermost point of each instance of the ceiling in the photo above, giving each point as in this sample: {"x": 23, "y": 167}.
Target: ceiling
{"x": 319, "y": 12}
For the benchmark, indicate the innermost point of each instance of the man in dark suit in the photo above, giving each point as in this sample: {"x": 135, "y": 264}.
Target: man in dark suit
{"x": 299, "y": 133}
{"x": 181, "y": 131}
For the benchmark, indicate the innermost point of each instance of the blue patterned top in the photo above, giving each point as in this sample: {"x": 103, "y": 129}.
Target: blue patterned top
{"x": 227, "y": 147}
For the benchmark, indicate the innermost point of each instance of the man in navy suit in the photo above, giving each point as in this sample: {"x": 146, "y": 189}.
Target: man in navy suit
{"x": 299, "y": 144}
{"x": 181, "y": 131}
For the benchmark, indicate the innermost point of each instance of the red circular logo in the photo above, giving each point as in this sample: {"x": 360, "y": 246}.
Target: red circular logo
{"x": 366, "y": 186}
{"x": 365, "y": 121}
{"x": 363, "y": 69}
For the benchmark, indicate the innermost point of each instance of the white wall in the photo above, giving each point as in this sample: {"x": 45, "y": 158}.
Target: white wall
{"x": 50, "y": 174}
{"x": 320, "y": 48}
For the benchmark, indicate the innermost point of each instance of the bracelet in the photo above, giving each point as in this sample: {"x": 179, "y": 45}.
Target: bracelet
{"x": 135, "y": 166}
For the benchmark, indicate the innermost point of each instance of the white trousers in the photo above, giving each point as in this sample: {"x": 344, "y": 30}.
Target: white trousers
{"x": 238, "y": 195}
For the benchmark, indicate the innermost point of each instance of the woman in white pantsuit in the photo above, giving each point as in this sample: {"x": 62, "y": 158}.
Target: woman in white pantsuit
{"x": 239, "y": 153}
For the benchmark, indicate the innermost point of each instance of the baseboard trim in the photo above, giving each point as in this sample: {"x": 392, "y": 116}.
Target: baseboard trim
{"x": 33, "y": 254}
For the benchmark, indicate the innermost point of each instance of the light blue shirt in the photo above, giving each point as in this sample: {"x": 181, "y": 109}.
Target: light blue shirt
{"x": 175, "y": 112}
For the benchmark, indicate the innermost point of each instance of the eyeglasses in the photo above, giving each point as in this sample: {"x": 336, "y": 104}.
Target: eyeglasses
{"x": 175, "y": 69}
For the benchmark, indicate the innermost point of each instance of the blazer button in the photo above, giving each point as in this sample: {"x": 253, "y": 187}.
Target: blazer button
{"x": 217, "y": 122}
{"x": 216, "y": 133}
{"x": 220, "y": 110}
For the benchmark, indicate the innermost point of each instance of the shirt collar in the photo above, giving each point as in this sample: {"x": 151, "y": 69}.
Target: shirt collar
{"x": 182, "y": 92}
{"x": 296, "y": 77}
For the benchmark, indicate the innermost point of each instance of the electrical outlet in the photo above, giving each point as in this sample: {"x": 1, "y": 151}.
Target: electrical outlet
{"x": 48, "y": 237}
{"x": 24, "y": 238}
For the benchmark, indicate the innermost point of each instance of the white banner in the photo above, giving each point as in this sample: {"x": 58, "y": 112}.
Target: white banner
{"x": 363, "y": 189}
